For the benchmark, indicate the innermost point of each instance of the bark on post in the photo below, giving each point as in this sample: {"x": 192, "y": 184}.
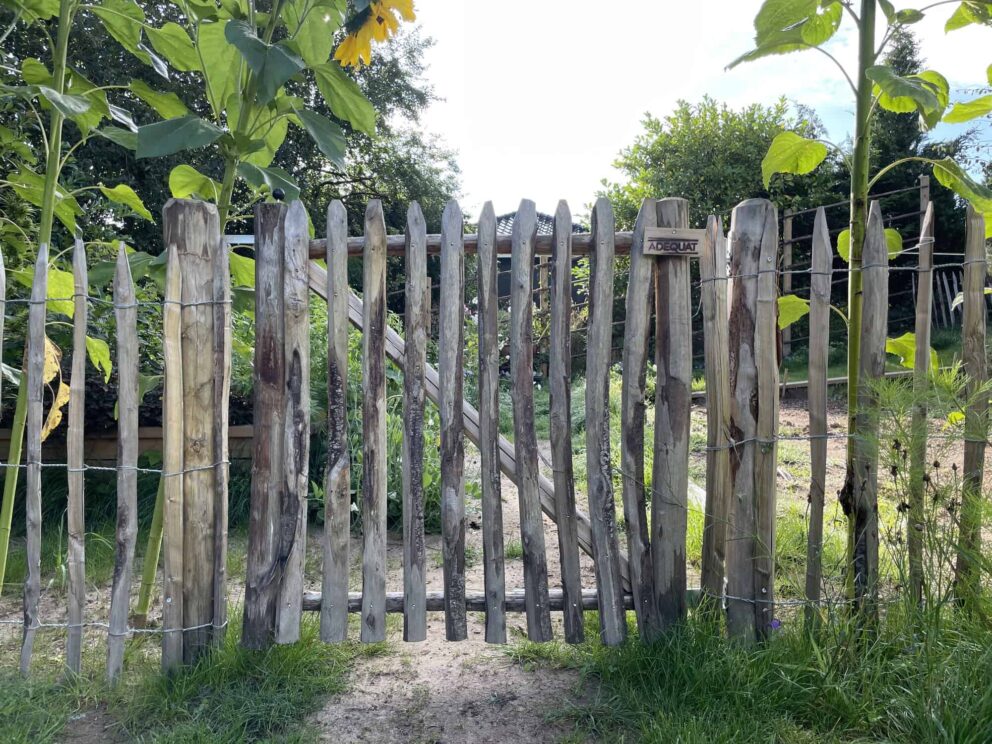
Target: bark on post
{"x": 524, "y": 438}
{"x": 602, "y": 507}
{"x": 673, "y": 394}
{"x": 337, "y": 484}
{"x": 489, "y": 362}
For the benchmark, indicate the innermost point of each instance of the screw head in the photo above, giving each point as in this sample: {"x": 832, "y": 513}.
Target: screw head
{"x": 278, "y": 194}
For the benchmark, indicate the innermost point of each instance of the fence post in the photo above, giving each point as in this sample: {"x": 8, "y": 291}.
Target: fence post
{"x": 918, "y": 426}
{"x": 787, "y": 275}
{"x": 967, "y": 571}
{"x": 753, "y": 419}
{"x": 74, "y": 460}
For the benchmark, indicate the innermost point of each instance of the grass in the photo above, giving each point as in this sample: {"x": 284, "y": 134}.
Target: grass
{"x": 924, "y": 681}
{"x": 233, "y": 695}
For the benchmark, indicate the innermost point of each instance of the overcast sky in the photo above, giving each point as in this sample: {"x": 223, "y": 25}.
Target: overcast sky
{"x": 539, "y": 96}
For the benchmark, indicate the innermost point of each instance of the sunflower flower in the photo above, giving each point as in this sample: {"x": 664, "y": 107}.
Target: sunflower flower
{"x": 382, "y": 22}
{"x": 356, "y": 49}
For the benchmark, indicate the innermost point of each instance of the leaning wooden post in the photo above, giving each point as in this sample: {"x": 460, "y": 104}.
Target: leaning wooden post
{"x": 635, "y": 354}
{"x": 524, "y": 437}
{"x": 967, "y": 571}
{"x": 34, "y": 377}
{"x": 602, "y": 507}
{"x": 337, "y": 483}
{"x": 492, "y": 505}
{"x": 126, "y": 314}
{"x": 74, "y": 461}
{"x": 918, "y": 428}
{"x": 193, "y": 227}
{"x": 753, "y": 419}
{"x": 819, "y": 348}
{"x": 373, "y": 626}
{"x": 417, "y": 321}
{"x": 713, "y": 294}
{"x": 864, "y": 503}
{"x": 560, "y": 383}
{"x": 787, "y": 276}
{"x": 673, "y": 400}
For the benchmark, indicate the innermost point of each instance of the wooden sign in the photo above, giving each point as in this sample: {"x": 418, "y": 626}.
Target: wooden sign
{"x": 672, "y": 241}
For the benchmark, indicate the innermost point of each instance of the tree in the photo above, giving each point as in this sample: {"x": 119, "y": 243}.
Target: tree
{"x": 711, "y": 155}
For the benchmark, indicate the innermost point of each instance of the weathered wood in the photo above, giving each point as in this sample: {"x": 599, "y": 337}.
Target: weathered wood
{"x": 633, "y": 395}
{"x": 296, "y": 419}
{"x": 337, "y": 482}
{"x": 560, "y": 382}
{"x": 948, "y": 297}
{"x": 819, "y": 349}
{"x": 476, "y": 601}
{"x": 488, "y": 442}
{"x": 172, "y": 465}
{"x": 524, "y": 437}
{"x": 194, "y": 228}
{"x": 920, "y": 417}
{"x": 967, "y": 570}
{"x": 373, "y": 626}
{"x": 76, "y": 524}
{"x": 451, "y": 342}
{"x": 267, "y": 548}
{"x": 753, "y": 414}
{"x": 222, "y": 395}
{"x": 787, "y": 244}
{"x": 673, "y": 399}
{"x": 716, "y": 353}
{"x": 417, "y": 322}
{"x": 864, "y": 503}
{"x": 34, "y": 376}
{"x": 599, "y": 490}
{"x": 126, "y": 315}
{"x": 395, "y": 350}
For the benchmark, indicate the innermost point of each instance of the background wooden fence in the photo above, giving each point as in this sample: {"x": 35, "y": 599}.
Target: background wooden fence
{"x": 641, "y": 567}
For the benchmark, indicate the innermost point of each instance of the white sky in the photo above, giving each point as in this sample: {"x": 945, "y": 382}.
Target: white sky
{"x": 540, "y": 95}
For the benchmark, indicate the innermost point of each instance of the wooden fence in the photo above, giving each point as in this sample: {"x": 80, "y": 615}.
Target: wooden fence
{"x": 639, "y": 567}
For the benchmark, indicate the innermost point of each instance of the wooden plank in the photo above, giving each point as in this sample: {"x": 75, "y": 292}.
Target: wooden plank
{"x": 524, "y": 437}
{"x": 373, "y": 626}
{"x": 948, "y": 297}
{"x": 787, "y": 245}
{"x": 451, "y": 342}
{"x": 633, "y": 395}
{"x": 560, "y": 384}
{"x": 865, "y": 439}
{"x": 819, "y": 350}
{"x": 221, "y": 405}
{"x": 266, "y": 552}
{"x": 716, "y": 353}
{"x": 296, "y": 419}
{"x": 599, "y": 490}
{"x": 337, "y": 482}
{"x": 75, "y": 444}
{"x": 673, "y": 400}
{"x": 126, "y": 315}
{"x": 968, "y": 569}
{"x": 197, "y": 237}
{"x": 395, "y": 350}
{"x": 172, "y": 465}
{"x": 488, "y": 442}
{"x": 476, "y": 601}
{"x": 920, "y": 418}
{"x": 34, "y": 376}
{"x": 417, "y": 321}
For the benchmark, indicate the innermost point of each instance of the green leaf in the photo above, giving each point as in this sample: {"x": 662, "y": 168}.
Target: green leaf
{"x": 790, "y": 153}
{"x": 345, "y": 98}
{"x": 166, "y": 105}
{"x": 909, "y": 16}
{"x": 783, "y": 42}
{"x": 60, "y": 291}
{"x": 790, "y": 309}
{"x": 893, "y": 243}
{"x": 123, "y": 20}
{"x": 99, "y": 353}
{"x": 272, "y": 64}
{"x": 175, "y": 135}
{"x": 34, "y": 72}
{"x": 68, "y": 105}
{"x": 221, "y": 62}
{"x": 888, "y": 9}
{"x": 954, "y": 177}
{"x": 820, "y": 27}
{"x": 776, "y": 15}
{"x": 269, "y": 178}
{"x": 326, "y": 134}
{"x": 242, "y": 270}
{"x": 844, "y": 245}
{"x": 959, "y": 298}
{"x": 904, "y": 347}
{"x": 30, "y": 186}
{"x": 124, "y": 194}
{"x": 969, "y": 110}
{"x": 968, "y": 13}
{"x": 273, "y": 123}
{"x": 903, "y": 94}
{"x": 123, "y": 116}
{"x": 173, "y": 43}
{"x": 186, "y": 181}
{"x": 313, "y": 31}
{"x": 988, "y": 74}
{"x": 942, "y": 89}
{"x": 41, "y": 9}
{"x": 127, "y": 140}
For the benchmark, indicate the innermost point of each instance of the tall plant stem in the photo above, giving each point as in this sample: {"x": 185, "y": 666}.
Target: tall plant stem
{"x": 151, "y": 559}
{"x": 859, "y": 217}
{"x": 10, "y": 479}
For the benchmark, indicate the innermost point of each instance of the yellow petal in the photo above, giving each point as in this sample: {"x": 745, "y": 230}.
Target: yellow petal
{"x": 55, "y": 414}
{"x": 347, "y": 52}
{"x": 53, "y": 360}
{"x": 403, "y": 7}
